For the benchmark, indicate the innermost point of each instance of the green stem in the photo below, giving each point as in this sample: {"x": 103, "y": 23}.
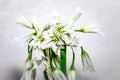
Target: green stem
{"x": 51, "y": 54}
{"x": 45, "y": 75}
{"x": 73, "y": 60}
{"x": 63, "y": 60}
{"x": 30, "y": 49}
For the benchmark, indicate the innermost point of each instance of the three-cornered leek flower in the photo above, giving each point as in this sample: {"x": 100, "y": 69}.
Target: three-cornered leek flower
{"x": 86, "y": 61}
{"x": 58, "y": 75}
{"x": 30, "y": 24}
{"x": 76, "y": 14}
{"x": 72, "y": 75}
{"x": 29, "y": 72}
{"x": 25, "y": 22}
{"x": 89, "y": 29}
{"x": 40, "y": 40}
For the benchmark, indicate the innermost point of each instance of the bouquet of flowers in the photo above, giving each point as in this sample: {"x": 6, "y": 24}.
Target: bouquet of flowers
{"x": 47, "y": 46}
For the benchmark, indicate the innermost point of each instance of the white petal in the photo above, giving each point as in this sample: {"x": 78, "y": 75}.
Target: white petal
{"x": 77, "y": 13}
{"x": 24, "y": 21}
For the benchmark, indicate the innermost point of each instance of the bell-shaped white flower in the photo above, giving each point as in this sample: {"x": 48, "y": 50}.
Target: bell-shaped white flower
{"x": 72, "y": 75}
{"x": 58, "y": 75}
{"x": 72, "y": 71}
{"x": 86, "y": 61}
{"x": 29, "y": 73}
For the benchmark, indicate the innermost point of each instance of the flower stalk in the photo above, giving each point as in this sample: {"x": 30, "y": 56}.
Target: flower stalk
{"x": 72, "y": 71}
{"x": 46, "y": 74}
{"x": 63, "y": 56}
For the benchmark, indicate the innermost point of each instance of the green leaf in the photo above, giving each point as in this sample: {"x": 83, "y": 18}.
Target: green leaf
{"x": 45, "y": 75}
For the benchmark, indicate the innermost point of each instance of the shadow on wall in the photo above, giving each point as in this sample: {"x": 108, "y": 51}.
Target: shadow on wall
{"x": 11, "y": 74}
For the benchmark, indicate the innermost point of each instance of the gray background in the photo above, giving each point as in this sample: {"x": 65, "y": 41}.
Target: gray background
{"x": 104, "y": 51}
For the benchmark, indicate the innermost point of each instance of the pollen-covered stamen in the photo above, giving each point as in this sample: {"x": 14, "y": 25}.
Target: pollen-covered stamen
{"x": 60, "y": 30}
{"x": 54, "y": 38}
{"x": 41, "y": 38}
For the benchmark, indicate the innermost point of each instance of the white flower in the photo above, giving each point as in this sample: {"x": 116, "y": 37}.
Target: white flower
{"x": 71, "y": 40}
{"x": 72, "y": 75}
{"x": 29, "y": 73}
{"x": 67, "y": 23}
{"x": 55, "y": 18}
{"x": 25, "y": 22}
{"x": 86, "y": 61}
{"x": 60, "y": 32}
{"x": 58, "y": 75}
{"x": 28, "y": 23}
{"x": 40, "y": 40}
{"x": 90, "y": 29}
{"x": 76, "y": 14}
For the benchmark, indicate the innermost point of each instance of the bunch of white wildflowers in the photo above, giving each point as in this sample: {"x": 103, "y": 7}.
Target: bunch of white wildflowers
{"x": 51, "y": 42}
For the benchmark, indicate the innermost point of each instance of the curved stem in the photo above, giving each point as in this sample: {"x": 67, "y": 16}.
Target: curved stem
{"x": 50, "y": 53}
{"x": 73, "y": 60}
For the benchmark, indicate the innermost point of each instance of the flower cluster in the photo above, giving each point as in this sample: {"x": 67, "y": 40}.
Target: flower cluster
{"x": 52, "y": 40}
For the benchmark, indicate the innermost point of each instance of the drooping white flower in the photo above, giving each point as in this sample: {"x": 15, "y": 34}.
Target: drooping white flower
{"x": 72, "y": 75}
{"x": 86, "y": 61}
{"x": 29, "y": 72}
{"x": 58, "y": 75}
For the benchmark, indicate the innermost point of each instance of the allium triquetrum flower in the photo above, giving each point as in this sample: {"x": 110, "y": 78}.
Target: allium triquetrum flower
{"x": 86, "y": 61}
{"x": 58, "y": 75}
{"x": 39, "y": 40}
{"x": 72, "y": 71}
{"x": 90, "y": 29}
{"x": 29, "y": 73}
